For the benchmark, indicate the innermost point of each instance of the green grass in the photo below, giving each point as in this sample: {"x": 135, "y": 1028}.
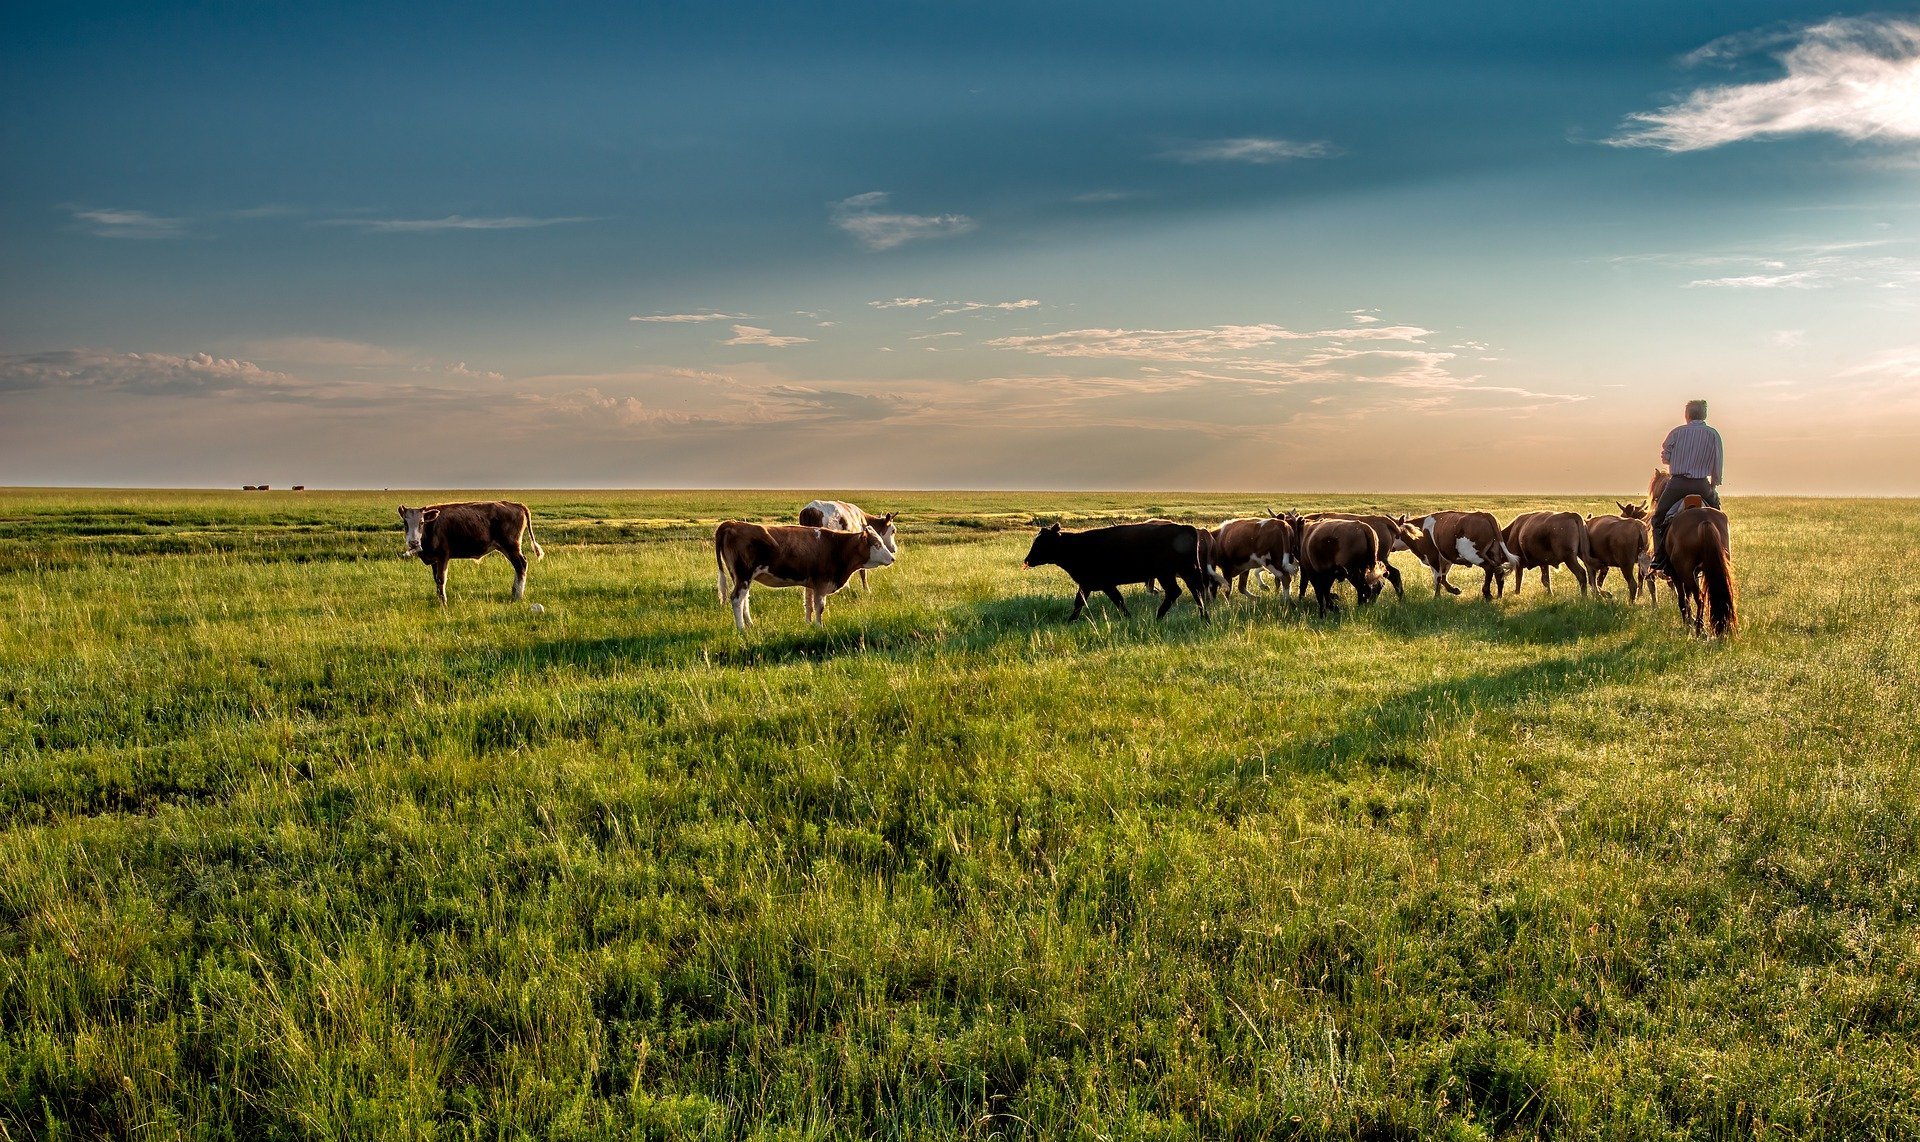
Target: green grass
{"x": 288, "y": 851}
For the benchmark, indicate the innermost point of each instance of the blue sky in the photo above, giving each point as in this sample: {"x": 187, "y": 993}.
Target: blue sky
{"x": 1417, "y": 248}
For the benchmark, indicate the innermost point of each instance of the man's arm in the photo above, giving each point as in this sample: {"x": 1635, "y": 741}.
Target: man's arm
{"x": 1719, "y": 459}
{"x": 1666, "y": 449}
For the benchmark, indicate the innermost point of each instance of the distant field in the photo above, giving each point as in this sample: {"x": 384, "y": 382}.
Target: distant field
{"x": 289, "y": 851}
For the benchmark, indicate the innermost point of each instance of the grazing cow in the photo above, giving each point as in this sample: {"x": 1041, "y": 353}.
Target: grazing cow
{"x": 843, "y": 516}
{"x": 819, "y": 560}
{"x": 1462, "y": 539}
{"x": 1624, "y": 541}
{"x": 1242, "y": 547}
{"x": 1335, "y": 549}
{"x": 1107, "y": 558}
{"x": 1542, "y": 539}
{"x": 439, "y": 533}
{"x": 1395, "y": 535}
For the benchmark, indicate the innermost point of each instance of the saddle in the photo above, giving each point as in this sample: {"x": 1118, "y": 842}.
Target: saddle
{"x": 1689, "y": 501}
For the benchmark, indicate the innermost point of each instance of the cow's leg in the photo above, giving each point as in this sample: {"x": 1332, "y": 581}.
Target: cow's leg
{"x": 1118, "y": 600}
{"x": 1243, "y": 580}
{"x": 1323, "y": 592}
{"x": 863, "y": 578}
{"x": 1393, "y": 576}
{"x": 519, "y": 562}
{"x": 819, "y": 606}
{"x": 1520, "y": 577}
{"x": 1172, "y": 586}
{"x": 1198, "y": 586}
{"x": 742, "y": 617}
{"x": 1079, "y": 603}
{"x": 1600, "y": 576}
{"x": 1579, "y": 574}
{"x": 440, "y": 579}
{"x": 1546, "y": 578}
{"x": 1486, "y": 584}
{"x": 1362, "y": 593}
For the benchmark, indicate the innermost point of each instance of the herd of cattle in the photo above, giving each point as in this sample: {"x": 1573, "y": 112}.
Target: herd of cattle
{"x": 835, "y": 540}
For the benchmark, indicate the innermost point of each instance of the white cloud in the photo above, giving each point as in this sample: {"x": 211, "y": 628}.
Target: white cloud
{"x": 683, "y": 318}
{"x": 749, "y": 335}
{"x": 156, "y": 373}
{"x": 320, "y": 351}
{"x": 1787, "y": 338}
{"x": 1189, "y": 344}
{"x": 1880, "y": 264}
{"x": 1858, "y": 78}
{"x": 980, "y": 306}
{"x": 903, "y": 303}
{"x": 1250, "y": 149}
{"x": 864, "y": 216}
{"x": 450, "y": 222}
{"x": 129, "y": 224}
{"x": 459, "y": 369}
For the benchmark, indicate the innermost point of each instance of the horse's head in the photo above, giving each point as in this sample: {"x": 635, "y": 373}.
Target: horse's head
{"x": 1658, "y": 484}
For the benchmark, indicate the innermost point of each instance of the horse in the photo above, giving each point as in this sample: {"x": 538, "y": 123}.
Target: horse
{"x": 1699, "y": 563}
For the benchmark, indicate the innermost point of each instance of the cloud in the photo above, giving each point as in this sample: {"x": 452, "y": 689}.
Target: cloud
{"x": 1856, "y": 77}
{"x": 320, "y": 351}
{"x": 903, "y": 303}
{"x": 876, "y": 228}
{"x": 450, "y": 222}
{"x": 1189, "y": 344}
{"x": 459, "y": 369}
{"x": 1251, "y": 149}
{"x": 682, "y": 318}
{"x": 128, "y": 224}
{"x": 981, "y": 306}
{"x": 154, "y": 373}
{"x": 1879, "y": 264}
{"x": 749, "y": 335}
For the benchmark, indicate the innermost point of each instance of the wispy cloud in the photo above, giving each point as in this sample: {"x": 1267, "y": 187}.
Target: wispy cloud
{"x": 320, "y": 351}
{"x": 152, "y": 373}
{"x": 683, "y": 318}
{"x": 1880, "y": 264}
{"x": 872, "y": 225}
{"x": 1208, "y": 344}
{"x": 460, "y": 369}
{"x": 903, "y": 303}
{"x": 1858, "y": 78}
{"x": 451, "y": 222}
{"x": 955, "y": 307}
{"x": 750, "y": 335}
{"x": 128, "y": 224}
{"x": 1248, "y": 149}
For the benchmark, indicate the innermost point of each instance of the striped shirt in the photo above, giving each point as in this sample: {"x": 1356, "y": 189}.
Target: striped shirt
{"x": 1693, "y": 449}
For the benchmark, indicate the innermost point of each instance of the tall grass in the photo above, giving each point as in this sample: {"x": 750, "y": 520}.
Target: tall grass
{"x": 289, "y": 851}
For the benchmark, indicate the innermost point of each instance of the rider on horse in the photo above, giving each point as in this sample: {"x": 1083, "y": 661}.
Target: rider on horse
{"x": 1693, "y": 455}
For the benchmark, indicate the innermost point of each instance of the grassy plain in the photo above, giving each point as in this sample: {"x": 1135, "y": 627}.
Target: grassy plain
{"x": 288, "y": 851}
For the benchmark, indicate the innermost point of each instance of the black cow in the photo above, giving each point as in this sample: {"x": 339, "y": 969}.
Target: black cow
{"x": 1106, "y": 558}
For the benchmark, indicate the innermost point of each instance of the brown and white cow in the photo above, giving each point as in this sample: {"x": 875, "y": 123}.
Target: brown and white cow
{"x": 1544, "y": 539}
{"x": 1624, "y": 541}
{"x": 819, "y": 560}
{"x": 1395, "y": 533}
{"x": 439, "y": 533}
{"x": 1462, "y": 539}
{"x": 1242, "y": 547}
{"x": 843, "y": 516}
{"x": 1335, "y": 549}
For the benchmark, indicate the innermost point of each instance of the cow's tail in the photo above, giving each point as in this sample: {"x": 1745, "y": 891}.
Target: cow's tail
{"x": 538, "y": 551}
{"x": 720, "y": 567}
{"x": 1716, "y": 567}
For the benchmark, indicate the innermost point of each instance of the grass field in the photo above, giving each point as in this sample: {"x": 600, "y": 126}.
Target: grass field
{"x": 289, "y": 851}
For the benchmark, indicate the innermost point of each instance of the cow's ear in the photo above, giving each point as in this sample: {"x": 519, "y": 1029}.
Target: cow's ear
{"x": 430, "y": 515}
{"x": 403, "y": 511}
{"x": 1053, "y": 527}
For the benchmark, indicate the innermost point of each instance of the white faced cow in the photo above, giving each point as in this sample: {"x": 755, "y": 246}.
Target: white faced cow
{"x": 442, "y": 532}
{"x": 818, "y": 559}
{"x": 843, "y": 516}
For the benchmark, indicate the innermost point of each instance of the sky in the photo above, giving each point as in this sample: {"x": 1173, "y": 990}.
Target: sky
{"x": 1211, "y": 246}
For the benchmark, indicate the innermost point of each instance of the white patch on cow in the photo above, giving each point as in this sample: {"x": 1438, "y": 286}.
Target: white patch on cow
{"x": 1426, "y": 525}
{"x": 1288, "y": 565}
{"x": 1467, "y": 552}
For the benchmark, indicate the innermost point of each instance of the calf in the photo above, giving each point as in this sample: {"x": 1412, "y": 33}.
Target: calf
{"x": 439, "y": 533}
{"x": 1542, "y": 539}
{"x": 819, "y": 560}
{"x": 1335, "y": 549}
{"x": 1395, "y": 534}
{"x": 1463, "y": 539}
{"x": 1106, "y": 558}
{"x": 1243, "y": 547}
{"x": 843, "y": 516}
{"x": 1624, "y": 541}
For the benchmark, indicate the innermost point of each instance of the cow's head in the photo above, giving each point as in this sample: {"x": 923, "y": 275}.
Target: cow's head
{"x": 879, "y": 554}
{"x": 1045, "y": 549}
{"x": 888, "y": 535}
{"x": 415, "y": 520}
{"x": 1405, "y": 535}
{"x": 1633, "y": 511}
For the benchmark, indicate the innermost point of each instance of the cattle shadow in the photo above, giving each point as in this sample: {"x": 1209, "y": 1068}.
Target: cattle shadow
{"x": 1388, "y": 734}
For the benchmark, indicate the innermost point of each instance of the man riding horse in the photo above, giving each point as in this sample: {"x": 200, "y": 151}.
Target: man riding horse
{"x": 1693, "y": 455}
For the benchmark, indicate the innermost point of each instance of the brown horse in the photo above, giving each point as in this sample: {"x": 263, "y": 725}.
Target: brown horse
{"x": 1700, "y": 563}
{"x": 1623, "y": 541}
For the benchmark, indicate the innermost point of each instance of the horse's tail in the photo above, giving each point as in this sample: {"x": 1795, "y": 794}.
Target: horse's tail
{"x": 1716, "y": 567}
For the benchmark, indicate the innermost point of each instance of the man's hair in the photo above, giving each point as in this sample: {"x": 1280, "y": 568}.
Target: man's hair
{"x": 1696, "y": 410}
